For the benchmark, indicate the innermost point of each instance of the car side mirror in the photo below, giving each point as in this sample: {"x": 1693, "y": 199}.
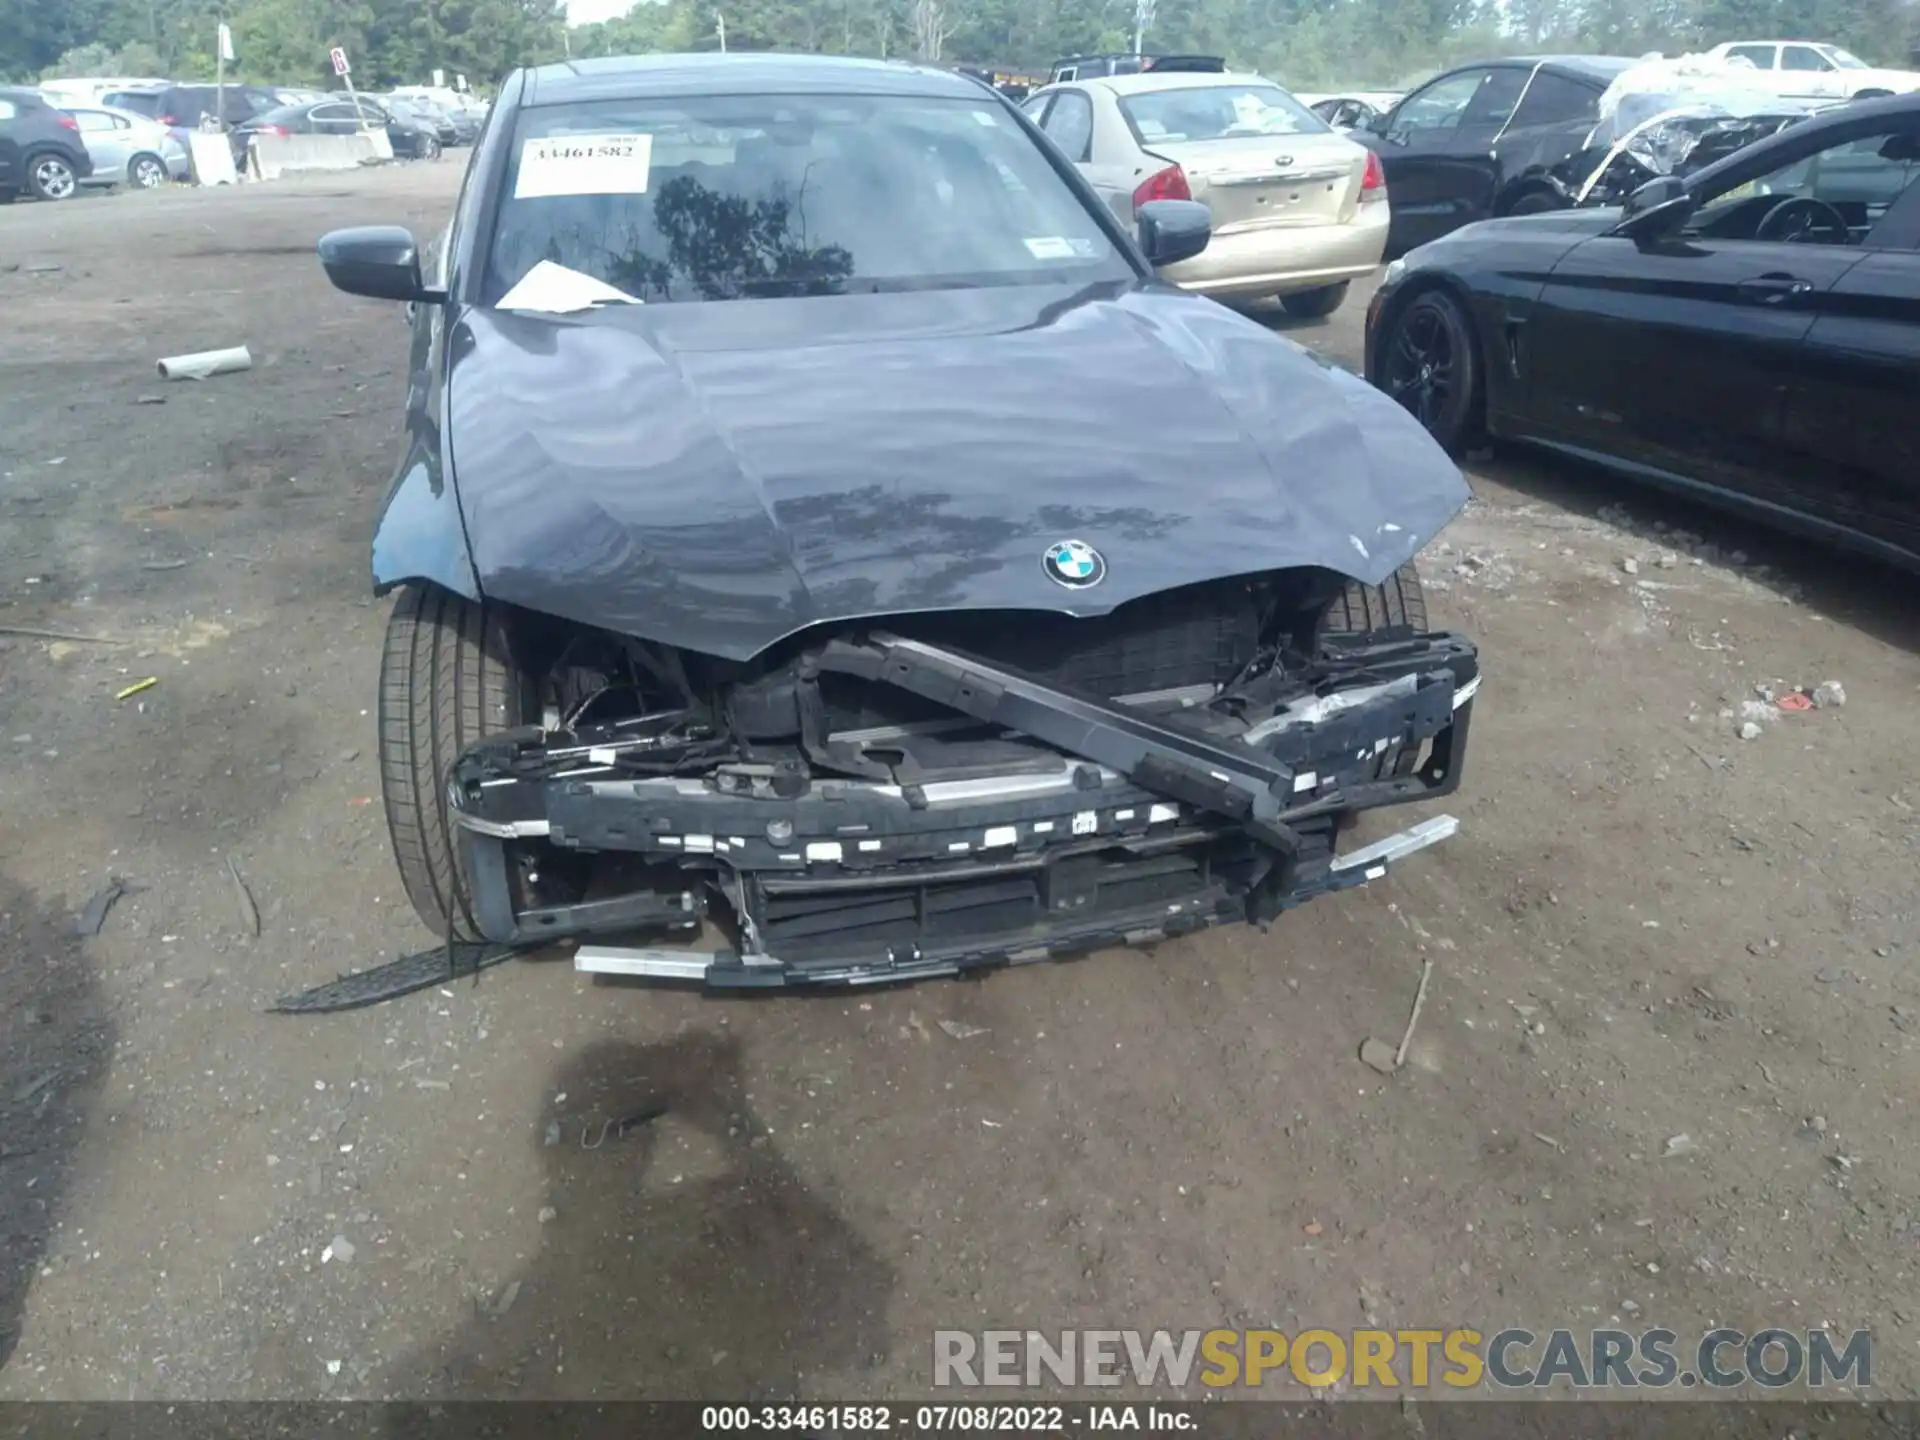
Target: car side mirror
{"x": 378, "y": 261}
{"x": 1173, "y": 230}
{"x": 1656, "y": 210}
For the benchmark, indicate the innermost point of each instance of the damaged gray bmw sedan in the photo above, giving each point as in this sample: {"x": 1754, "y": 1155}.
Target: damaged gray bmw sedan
{"x": 819, "y": 531}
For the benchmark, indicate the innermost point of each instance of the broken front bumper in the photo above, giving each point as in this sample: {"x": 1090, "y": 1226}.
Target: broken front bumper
{"x": 1121, "y": 826}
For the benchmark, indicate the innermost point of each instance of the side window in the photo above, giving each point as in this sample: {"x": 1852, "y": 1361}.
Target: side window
{"x": 325, "y": 113}
{"x": 122, "y": 123}
{"x": 1492, "y": 104}
{"x": 1556, "y": 100}
{"x": 1760, "y": 55}
{"x": 1861, "y": 179}
{"x": 1441, "y": 104}
{"x": 1037, "y": 107}
{"x": 92, "y": 122}
{"x": 1067, "y": 72}
{"x": 1069, "y": 124}
{"x": 1803, "y": 57}
{"x": 9, "y": 110}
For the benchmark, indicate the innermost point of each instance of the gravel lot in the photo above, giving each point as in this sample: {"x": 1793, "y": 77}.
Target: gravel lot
{"x": 1648, "y": 928}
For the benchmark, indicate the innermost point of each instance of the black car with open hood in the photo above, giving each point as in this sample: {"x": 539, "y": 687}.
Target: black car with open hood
{"x": 818, "y": 527}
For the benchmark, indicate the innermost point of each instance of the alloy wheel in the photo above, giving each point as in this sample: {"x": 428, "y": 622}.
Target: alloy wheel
{"x": 1421, "y": 364}
{"x": 53, "y": 178}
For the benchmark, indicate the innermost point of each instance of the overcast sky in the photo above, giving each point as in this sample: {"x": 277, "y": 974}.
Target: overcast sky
{"x": 586, "y": 12}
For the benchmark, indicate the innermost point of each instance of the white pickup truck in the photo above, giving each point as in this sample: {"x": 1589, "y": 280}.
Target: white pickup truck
{"x": 1813, "y": 70}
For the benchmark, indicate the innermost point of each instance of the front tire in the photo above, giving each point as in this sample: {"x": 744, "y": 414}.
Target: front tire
{"x": 1430, "y": 364}
{"x": 447, "y": 679}
{"x": 146, "y": 172}
{"x": 1314, "y": 304}
{"x": 50, "y": 177}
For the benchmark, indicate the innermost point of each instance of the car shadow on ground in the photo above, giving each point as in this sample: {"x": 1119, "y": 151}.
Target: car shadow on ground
{"x": 1872, "y": 596}
{"x": 56, "y": 1039}
{"x": 682, "y": 1256}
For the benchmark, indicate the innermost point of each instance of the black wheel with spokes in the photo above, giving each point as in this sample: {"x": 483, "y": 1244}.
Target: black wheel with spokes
{"x": 1431, "y": 366}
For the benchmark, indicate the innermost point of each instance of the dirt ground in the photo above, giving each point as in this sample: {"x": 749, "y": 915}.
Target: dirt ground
{"x": 1647, "y": 928}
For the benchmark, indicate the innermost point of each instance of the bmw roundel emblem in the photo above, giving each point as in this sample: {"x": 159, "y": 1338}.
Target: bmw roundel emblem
{"x": 1074, "y": 564}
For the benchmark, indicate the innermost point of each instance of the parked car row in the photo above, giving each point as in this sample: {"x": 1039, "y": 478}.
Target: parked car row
{"x": 68, "y": 135}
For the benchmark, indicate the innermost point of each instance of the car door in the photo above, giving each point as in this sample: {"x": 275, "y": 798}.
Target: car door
{"x": 1680, "y": 354}
{"x": 1851, "y": 439}
{"x": 1436, "y": 147}
{"x": 1090, "y": 132}
{"x": 109, "y": 145}
{"x": 336, "y": 117}
{"x": 1806, "y": 73}
{"x": 1552, "y": 121}
{"x": 9, "y": 143}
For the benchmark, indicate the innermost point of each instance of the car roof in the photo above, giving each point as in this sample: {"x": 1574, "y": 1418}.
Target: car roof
{"x": 1593, "y": 67}
{"x": 22, "y": 92}
{"x": 627, "y": 76}
{"x": 1153, "y": 80}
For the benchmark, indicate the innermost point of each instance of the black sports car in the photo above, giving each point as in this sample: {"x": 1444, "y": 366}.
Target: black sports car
{"x": 1486, "y": 139}
{"x": 713, "y": 606}
{"x": 1749, "y": 333}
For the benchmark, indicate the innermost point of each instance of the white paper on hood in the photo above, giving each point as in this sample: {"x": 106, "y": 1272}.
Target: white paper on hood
{"x": 560, "y": 291}
{"x": 584, "y": 165}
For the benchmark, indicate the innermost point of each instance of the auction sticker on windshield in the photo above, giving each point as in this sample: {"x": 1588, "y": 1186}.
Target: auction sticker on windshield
{"x": 584, "y": 165}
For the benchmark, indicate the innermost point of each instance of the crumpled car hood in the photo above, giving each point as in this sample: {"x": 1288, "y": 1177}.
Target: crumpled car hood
{"x": 719, "y": 476}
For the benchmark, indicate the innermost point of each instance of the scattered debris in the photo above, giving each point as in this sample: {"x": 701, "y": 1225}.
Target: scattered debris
{"x": 1312, "y": 1227}
{"x": 166, "y": 565}
{"x": 1844, "y": 1162}
{"x": 1829, "y": 695}
{"x": 1419, "y": 999}
{"x": 615, "y": 1129}
{"x": 917, "y": 1026}
{"x": 1681, "y": 1144}
{"x": 34, "y": 1086}
{"x": 424, "y": 1084}
{"x": 333, "y": 1367}
{"x": 42, "y": 267}
{"x": 1829, "y": 974}
{"x": 30, "y": 633}
{"x": 1795, "y": 702}
{"x": 507, "y": 1297}
{"x": 137, "y": 687}
{"x": 94, "y": 915}
{"x": 204, "y": 363}
{"x": 548, "y": 1214}
{"x": 1379, "y": 1055}
{"x": 960, "y": 1030}
{"x": 151, "y": 400}
{"x": 1749, "y": 730}
{"x": 342, "y": 1249}
{"x": 1546, "y": 1139}
{"x": 249, "y": 910}
{"x": 1630, "y": 565}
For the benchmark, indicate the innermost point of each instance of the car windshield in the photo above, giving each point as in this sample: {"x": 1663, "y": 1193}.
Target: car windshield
{"x": 1218, "y": 112}
{"x": 737, "y": 197}
{"x": 1845, "y": 59}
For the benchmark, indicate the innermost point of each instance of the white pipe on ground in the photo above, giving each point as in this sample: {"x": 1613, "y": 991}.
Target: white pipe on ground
{"x": 205, "y": 363}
